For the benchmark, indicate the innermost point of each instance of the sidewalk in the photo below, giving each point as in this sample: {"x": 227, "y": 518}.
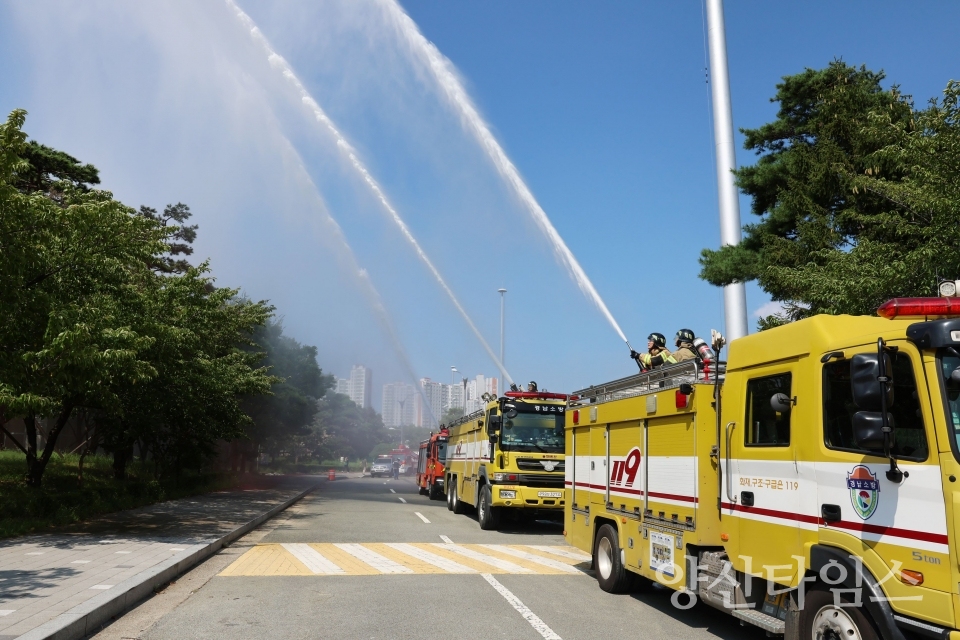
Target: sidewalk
{"x": 62, "y": 585}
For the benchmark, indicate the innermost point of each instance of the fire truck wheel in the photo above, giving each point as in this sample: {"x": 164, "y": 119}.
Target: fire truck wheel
{"x": 487, "y": 516}
{"x": 435, "y": 491}
{"x": 449, "y": 495}
{"x": 821, "y": 618}
{"x": 423, "y": 491}
{"x": 458, "y": 506}
{"x": 611, "y": 575}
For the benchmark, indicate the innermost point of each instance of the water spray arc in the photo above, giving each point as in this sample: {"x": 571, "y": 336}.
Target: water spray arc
{"x": 369, "y": 290}
{"x": 278, "y": 62}
{"x": 446, "y": 76}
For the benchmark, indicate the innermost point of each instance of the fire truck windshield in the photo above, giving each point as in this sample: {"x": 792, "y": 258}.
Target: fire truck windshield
{"x": 950, "y": 368}
{"x": 532, "y": 427}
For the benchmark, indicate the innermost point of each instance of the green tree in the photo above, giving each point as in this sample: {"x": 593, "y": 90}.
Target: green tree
{"x": 348, "y": 430}
{"x": 201, "y": 354}
{"x": 68, "y": 265}
{"x": 825, "y": 242}
{"x": 284, "y": 417}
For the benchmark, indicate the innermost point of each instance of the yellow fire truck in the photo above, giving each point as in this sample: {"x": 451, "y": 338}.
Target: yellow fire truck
{"x": 807, "y": 486}
{"x": 508, "y": 455}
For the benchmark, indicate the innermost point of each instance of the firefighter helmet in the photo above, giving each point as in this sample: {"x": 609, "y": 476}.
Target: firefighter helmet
{"x": 685, "y": 335}
{"x": 658, "y": 340}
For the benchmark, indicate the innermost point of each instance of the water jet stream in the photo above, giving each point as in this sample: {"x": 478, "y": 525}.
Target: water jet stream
{"x": 369, "y": 290}
{"x": 278, "y": 62}
{"x": 446, "y": 76}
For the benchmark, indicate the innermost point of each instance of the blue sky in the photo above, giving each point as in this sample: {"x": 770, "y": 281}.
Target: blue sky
{"x": 602, "y": 106}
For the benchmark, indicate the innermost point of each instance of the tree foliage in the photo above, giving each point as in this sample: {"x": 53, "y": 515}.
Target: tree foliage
{"x": 285, "y": 417}
{"x": 100, "y": 315}
{"x": 852, "y": 191}
{"x": 344, "y": 429}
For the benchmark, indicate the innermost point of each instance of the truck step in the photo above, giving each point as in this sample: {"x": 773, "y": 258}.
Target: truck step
{"x": 760, "y": 619}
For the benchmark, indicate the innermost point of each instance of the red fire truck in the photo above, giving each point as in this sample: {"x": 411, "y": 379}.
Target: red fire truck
{"x": 406, "y": 457}
{"x": 430, "y": 466}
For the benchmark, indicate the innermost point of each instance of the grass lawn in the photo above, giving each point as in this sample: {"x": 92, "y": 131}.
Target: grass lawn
{"x": 61, "y": 500}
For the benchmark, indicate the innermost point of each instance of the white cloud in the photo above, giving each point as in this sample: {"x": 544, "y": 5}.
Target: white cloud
{"x": 767, "y": 309}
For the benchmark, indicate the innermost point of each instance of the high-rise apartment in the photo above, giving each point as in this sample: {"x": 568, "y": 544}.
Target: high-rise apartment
{"x": 400, "y": 404}
{"x": 361, "y": 383}
{"x": 431, "y": 410}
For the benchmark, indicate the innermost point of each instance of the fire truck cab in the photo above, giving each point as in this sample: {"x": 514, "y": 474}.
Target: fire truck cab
{"x": 508, "y": 457}
{"x": 431, "y": 464}
{"x": 810, "y": 491}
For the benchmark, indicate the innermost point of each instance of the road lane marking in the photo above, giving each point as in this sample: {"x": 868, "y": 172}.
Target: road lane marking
{"x": 446, "y": 564}
{"x": 80, "y": 562}
{"x": 539, "y": 625}
{"x": 374, "y": 559}
{"x": 402, "y": 500}
{"x": 446, "y": 539}
{"x": 312, "y": 559}
{"x": 422, "y": 517}
{"x": 486, "y": 559}
{"x": 6, "y": 612}
{"x": 35, "y": 553}
{"x": 532, "y": 557}
{"x": 564, "y": 552}
{"x": 102, "y": 587}
{"x": 392, "y": 491}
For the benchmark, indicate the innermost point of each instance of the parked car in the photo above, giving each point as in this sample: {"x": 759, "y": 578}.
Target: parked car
{"x": 382, "y": 467}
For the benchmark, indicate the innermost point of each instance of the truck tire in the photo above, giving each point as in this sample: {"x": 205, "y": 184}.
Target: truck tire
{"x": 423, "y": 491}
{"x": 458, "y": 506}
{"x": 449, "y": 487}
{"x": 435, "y": 491}
{"x": 821, "y": 618}
{"x": 611, "y": 574}
{"x": 487, "y": 515}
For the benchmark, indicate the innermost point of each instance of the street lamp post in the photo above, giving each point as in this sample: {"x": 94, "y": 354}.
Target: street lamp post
{"x": 501, "y": 292}
{"x": 401, "y": 403}
{"x": 465, "y": 396}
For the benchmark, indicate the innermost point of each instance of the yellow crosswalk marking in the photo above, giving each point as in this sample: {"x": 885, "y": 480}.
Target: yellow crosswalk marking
{"x": 484, "y": 563}
{"x": 267, "y": 560}
{"x": 350, "y": 565}
{"x": 374, "y": 558}
{"x": 526, "y": 558}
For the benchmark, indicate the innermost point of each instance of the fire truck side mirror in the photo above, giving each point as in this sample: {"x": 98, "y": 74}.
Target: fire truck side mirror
{"x": 868, "y": 430}
{"x": 864, "y": 382}
{"x": 955, "y": 377}
{"x": 781, "y": 402}
{"x": 493, "y": 423}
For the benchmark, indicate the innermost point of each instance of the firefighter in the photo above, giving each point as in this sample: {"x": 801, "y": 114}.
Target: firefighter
{"x": 684, "y": 343}
{"x": 657, "y": 353}
{"x": 532, "y": 385}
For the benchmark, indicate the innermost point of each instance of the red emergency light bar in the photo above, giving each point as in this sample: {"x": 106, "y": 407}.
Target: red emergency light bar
{"x": 904, "y": 307}
{"x": 544, "y": 395}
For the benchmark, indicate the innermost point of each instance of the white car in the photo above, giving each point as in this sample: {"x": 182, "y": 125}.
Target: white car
{"x": 382, "y": 468}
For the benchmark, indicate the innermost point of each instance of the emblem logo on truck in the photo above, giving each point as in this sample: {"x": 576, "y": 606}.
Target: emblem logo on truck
{"x": 864, "y": 491}
{"x": 549, "y": 465}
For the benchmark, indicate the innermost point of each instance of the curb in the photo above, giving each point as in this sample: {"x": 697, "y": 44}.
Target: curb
{"x": 89, "y": 616}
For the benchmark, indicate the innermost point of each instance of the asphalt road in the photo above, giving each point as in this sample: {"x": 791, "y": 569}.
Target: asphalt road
{"x": 254, "y": 589}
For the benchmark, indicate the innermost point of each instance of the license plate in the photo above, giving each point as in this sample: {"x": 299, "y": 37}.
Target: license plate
{"x": 550, "y": 494}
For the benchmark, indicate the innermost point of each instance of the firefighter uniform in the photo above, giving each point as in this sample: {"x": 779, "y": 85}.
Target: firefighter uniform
{"x": 684, "y": 342}
{"x": 684, "y": 353}
{"x": 657, "y": 353}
